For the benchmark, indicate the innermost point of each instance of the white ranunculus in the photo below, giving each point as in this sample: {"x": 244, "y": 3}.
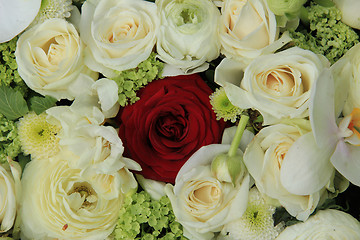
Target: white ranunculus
{"x": 9, "y": 192}
{"x": 277, "y": 85}
{"x": 68, "y": 203}
{"x": 327, "y": 224}
{"x": 202, "y": 203}
{"x": 349, "y": 12}
{"x": 119, "y": 34}
{"x": 188, "y": 35}
{"x": 50, "y": 58}
{"x": 248, "y": 29}
{"x": 264, "y": 158}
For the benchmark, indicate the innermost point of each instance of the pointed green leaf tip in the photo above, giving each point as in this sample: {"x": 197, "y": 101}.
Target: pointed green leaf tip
{"x": 12, "y": 103}
{"x": 40, "y": 104}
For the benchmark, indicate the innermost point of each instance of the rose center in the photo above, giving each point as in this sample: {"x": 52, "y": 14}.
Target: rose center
{"x": 55, "y": 49}
{"x": 278, "y": 82}
{"x": 172, "y": 127}
{"x": 123, "y": 30}
{"x": 280, "y": 152}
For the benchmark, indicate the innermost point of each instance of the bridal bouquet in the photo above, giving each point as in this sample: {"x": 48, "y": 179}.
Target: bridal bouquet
{"x": 179, "y": 119}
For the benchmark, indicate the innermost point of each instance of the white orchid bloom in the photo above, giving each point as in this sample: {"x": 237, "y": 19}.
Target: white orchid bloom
{"x": 312, "y": 159}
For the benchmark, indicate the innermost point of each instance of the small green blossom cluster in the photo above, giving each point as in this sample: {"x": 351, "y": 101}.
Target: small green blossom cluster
{"x": 144, "y": 218}
{"x": 9, "y": 75}
{"x": 130, "y": 81}
{"x": 9, "y": 141}
{"x": 222, "y": 106}
{"x": 327, "y": 35}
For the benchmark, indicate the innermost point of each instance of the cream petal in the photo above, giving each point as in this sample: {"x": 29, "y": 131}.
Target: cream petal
{"x": 346, "y": 160}
{"x": 306, "y": 168}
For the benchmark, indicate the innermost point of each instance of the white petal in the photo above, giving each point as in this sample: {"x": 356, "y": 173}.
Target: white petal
{"x": 229, "y": 134}
{"x": 107, "y": 91}
{"x": 15, "y": 16}
{"x": 306, "y": 167}
{"x": 322, "y": 110}
{"x": 346, "y": 160}
{"x": 154, "y": 188}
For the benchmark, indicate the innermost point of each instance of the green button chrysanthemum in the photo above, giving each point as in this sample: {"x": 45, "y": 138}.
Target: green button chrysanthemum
{"x": 222, "y": 106}
{"x": 53, "y": 9}
{"x": 37, "y": 136}
{"x": 257, "y": 222}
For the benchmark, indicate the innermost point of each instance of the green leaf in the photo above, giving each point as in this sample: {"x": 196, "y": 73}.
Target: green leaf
{"x": 325, "y": 3}
{"x": 12, "y": 103}
{"x": 40, "y": 104}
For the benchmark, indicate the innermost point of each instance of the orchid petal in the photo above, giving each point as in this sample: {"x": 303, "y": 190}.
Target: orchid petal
{"x": 306, "y": 167}
{"x": 346, "y": 160}
{"x": 321, "y": 109}
{"x": 15, "y": 16}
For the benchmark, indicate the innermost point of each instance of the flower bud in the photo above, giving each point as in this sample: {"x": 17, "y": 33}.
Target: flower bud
{"x": 228, "y": 169}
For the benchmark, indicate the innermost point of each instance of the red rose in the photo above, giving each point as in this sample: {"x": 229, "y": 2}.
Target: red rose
{"x": 172, "y": 119}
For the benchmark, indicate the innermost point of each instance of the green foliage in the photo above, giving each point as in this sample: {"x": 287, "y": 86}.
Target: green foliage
{"x": 9, "y": 140}
{"x": 326, "y": 34}
{"x": 12, "y": 103}
{"x": 130, "y": 81}
{"x": 144, "y": 218}
{"x": 9, "y": 75}
{"x": 40, "y": 104}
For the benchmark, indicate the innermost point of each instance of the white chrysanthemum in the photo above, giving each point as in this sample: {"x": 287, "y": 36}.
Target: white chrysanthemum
{"x": 53, "y": 9}
{"x": 38, "y": 137}
{"x": 256, "y": 223}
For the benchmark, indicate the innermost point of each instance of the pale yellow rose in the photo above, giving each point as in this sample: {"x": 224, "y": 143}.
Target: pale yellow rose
{"x": 119, "y": 34}
{"x": 277, "y": 85}
{"x": 264, "y": 157}
{"x": 10, "y": 194}
{"x": 201, "y": 202}
{"x": 248, "y": 29}
{"x": 49, "y": 58}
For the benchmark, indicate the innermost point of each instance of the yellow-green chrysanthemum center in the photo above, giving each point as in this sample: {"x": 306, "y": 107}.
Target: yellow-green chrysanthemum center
{"x": 222, "y": 106}
{"x": 37, "y": 136}
{"x": 257, "y": 222}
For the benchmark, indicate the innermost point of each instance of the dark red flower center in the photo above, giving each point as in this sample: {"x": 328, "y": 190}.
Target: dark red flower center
{"x": 172, "y": 127}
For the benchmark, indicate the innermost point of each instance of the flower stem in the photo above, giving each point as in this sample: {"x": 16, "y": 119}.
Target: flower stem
{"x": 237, "y": 138}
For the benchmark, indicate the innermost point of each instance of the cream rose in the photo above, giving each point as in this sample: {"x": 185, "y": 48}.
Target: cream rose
{"x": 264, "y": 157}
{"x": 248, "y": 29}
{"x": 119, "y": 34}
{"x": 49, "y": 58}
{"x": 327, "y": 224}
{"x": 277, "y": 85}
{"x": 9, "y": 192}
{"x": 201, "y": 202}
{"x": 68, "y": 203}
{"x": 188, "y": 35}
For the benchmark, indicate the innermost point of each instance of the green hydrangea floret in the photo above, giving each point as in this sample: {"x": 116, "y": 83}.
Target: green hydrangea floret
{"x": 130, "y": 81}
{"x": 326, "y": 35}
{"x": 9, "y": 140}
{"x": 144, "y": 218}
{"x": 9, "y": 75}
{"x": 222, "y": 106}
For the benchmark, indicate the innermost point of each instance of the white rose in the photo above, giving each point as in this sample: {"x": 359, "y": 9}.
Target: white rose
{"x": 202, "y": 203}
{"x": 68, "y": 203}
{"x": 188, "y": 35}
{"x": 327, "y": 224}
{"x": 49, "y": 58}
{"x": 9, "y": 192}
{"x": 264, "y": 157}
{"x": 119, "y": 34}
{"x": 248, "y": 29}
{"x": 277, "y": 85}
